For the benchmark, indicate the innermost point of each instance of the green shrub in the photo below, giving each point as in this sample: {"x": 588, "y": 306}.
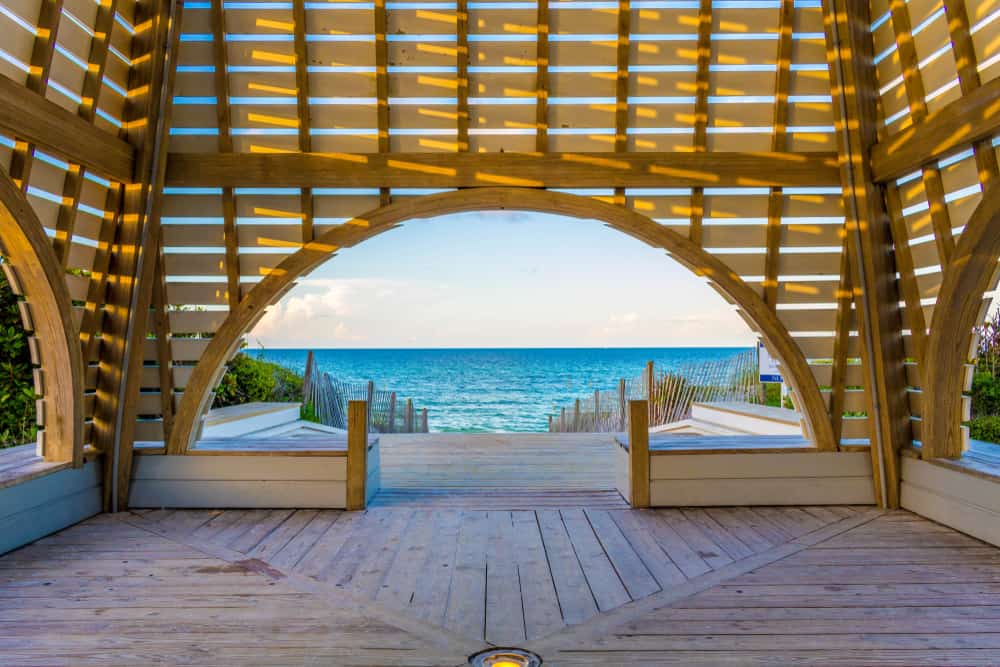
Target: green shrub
{"x": 248, "y": 380}
{"x": 985, "y": 428}
{"x": 308, "y": 413}
{"x": 772, "y": 396}
{"x": 985, "y": 394}
{"x": 17, "y": 390}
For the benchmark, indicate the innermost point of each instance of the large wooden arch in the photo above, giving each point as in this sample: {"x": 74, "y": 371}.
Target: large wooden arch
{"x": 967, "y": 277}
{"x": 42, "y": 282}
{"x": 209, "y": 369}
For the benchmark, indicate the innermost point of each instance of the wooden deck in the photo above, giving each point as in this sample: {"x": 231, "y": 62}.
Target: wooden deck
{"x": 582, "y": 586}
{"x": 22, "y": 463}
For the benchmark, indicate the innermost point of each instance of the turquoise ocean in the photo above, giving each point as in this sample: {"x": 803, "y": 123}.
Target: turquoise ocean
{"x": 493, "y": 389}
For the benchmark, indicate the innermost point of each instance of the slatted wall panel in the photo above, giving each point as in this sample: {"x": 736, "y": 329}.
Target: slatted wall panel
{"x": 929, "y": 208}
{"x": 74, "y": 53}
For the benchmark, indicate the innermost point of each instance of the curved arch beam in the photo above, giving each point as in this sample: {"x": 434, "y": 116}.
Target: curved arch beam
{"x": 959, "y": 307}
{"x": 210, "y": 368}
{"x": 44, "y": 284}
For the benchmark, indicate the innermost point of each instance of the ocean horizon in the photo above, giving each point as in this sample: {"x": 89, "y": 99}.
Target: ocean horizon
{"x": 492, "y": 389}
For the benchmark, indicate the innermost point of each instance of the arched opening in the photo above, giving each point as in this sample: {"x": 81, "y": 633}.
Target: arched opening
{"x": 209, "y": 369}
{"x": 961, "y": 307}
{"x": 34, "y": 273}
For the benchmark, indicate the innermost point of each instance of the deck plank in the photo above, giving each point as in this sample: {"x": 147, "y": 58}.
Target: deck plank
{"x": 604, "y": 582}
{"x": 466, "y": 612}
{"x": 538, "y": 592}
{"x": 504, "y": 609}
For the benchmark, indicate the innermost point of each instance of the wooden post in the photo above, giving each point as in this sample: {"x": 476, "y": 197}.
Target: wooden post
{"x": 307, "y": 377}
{"x": 371, "y": 399}
{"x": 391, "y": 426}
{"x": 562, "y": 419}
{"x": 597, "y": 410}
{"x": 622, "y": 410}
{"x": 576, "y": 416}
{"x": 550, "y": 423}
{"x": 357, "y": 453}
{"x": 409, "y": 415}
{"x": 638, "y": 453}
{"x": 423, "y": 421}
{"x": 650, "y": 386}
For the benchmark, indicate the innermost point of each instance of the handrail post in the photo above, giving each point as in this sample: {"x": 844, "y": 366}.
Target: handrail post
{"x": 638, "y": 453}
{"x": 357, "y": 454}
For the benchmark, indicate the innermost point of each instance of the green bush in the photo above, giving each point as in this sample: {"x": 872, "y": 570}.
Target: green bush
{"x": 985, "y": 394}
{"x": 17, "y": 390}
{"x": 308, "y": 413}
{"x": 985, "y": 428}
{"x": 772, "y": 396}
{"x": 248, "y": 380}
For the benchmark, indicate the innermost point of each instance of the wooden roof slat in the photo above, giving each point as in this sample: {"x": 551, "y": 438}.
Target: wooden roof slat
{"x": 542, "y": 78}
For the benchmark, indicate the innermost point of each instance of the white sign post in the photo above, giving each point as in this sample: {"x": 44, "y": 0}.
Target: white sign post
{"x": 768, "y": 365}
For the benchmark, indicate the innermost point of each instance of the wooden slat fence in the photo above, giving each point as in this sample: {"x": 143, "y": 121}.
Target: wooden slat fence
{"x": 670, "y": 393}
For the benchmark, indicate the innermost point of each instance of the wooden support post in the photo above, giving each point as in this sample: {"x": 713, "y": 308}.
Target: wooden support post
{"x": 357, "y": 454}
{"x": 562, "y": 420}
{"x": 650, "y": 386}
{"x": 391, "y": 425}
{"x": 597, "y": 409}
{"x": 576, "y": 416}
{"x": 423, "y": 421}
{"x": 638, "y": 454}
{"x": 550, "y": 423}
{"x": 409, "y": 415}
{"x": 370, "y": 399}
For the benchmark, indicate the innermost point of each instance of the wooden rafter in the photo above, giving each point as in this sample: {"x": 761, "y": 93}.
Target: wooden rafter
{"x": 542, "y": 78}
{"x": 461, "y": 170}
{"x": 93, "y": 310}
{"x": 302, "y": 100}
{"x": 850, "y": 54}
{"x": 775, "y": 200}
{"x": 42, "y": 51}
{"x": 462, "y": 69}
{"x": 914, "y": 84}
{"x": 621, "y": 85}
{"x": 164, "y": 360}
{"x": 971, "y": 118}
{"x": 224, "y": 119}
{"x": 908, "y": 286}
{"x": 44, "y": 124}
{"x": 382, "y": 88}
{"x": 969, "y": 81}
{"x": 841, "y": 344}
{"x": 93, "y": 81}
{"x": 702, "y": 78}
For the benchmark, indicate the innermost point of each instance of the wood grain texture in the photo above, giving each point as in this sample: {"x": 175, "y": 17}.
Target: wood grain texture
{"x": 971, "y": 118}
{"x": 41, "y": 278}
{"x": 466, "y": 170}
{"x": 958, "y": 310}
{"x": 638, "y": 454}
{"x": 357, "y": 454}
{"x": 42, "y": 123}
{"x": 252, "y": 307}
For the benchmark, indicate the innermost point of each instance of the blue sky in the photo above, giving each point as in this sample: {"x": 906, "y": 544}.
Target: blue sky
{"x": 503, "y": 279}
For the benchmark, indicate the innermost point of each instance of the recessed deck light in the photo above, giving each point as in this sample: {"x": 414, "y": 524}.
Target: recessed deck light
{"x": 505, "y": 657}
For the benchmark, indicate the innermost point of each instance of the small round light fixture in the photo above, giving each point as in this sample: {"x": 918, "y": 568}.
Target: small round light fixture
{"x": 505, "y": 657}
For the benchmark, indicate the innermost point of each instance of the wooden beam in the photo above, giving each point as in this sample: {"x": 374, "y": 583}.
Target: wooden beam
{"x": 305, "y": 115}
{"x": 852, "y": 71}
{"x": 382, "y": 219}
{"x": 42, "y": 280}
{"x": 542, "y": 78}
{"x": 93, "y": 82}
{"x": 462, "y": 72}
{"x": 621, "y": 86}
{"x": 357, "y": 454}
{"x": 466, "y": 170}
{"x": 93, "y": 310}
{"x": 133, "y": 271}
{"x": 841, "y": 343}
{"x": 967, "y": 120}
{"x": 969, "y": 81}
{"x": 776, "y": 200}
{"x": 913, "y": 82}
{"x": 959, "y": 308}
{"x": 703, "y": 63}
{"x": 33, "y": 119}
{"x": 381, "y": 89}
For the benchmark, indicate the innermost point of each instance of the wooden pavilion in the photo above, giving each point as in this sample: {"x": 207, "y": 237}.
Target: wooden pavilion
{"x": 170, "y": 168}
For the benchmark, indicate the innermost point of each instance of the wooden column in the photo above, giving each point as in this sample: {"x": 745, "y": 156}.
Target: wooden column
{"x": 357, "y": 454}
{"x": 638, "y": 453}
{"x": 850, "y": 53}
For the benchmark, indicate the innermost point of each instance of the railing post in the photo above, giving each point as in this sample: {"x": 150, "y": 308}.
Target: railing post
{"x": 370, "y": 400}
{"x": 307, "y": 378}
{"x": 550, "y": 423}
{"x": 391, "y": 426}
{"x": 423, "y": 421}
{"x": 638, "y": 453}
{"x": 562, "y": 419}
{"x": 597, "y": 410}
{"x": 357, "y": 454}
{"x": 576, "y": 416}
{"x": 650, "y": 386}
{"x": 409, "y": 415}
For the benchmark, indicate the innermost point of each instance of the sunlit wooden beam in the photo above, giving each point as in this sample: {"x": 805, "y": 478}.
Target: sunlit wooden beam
{"x": 958, "y": 125}
{"x": 465, "y": 170}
